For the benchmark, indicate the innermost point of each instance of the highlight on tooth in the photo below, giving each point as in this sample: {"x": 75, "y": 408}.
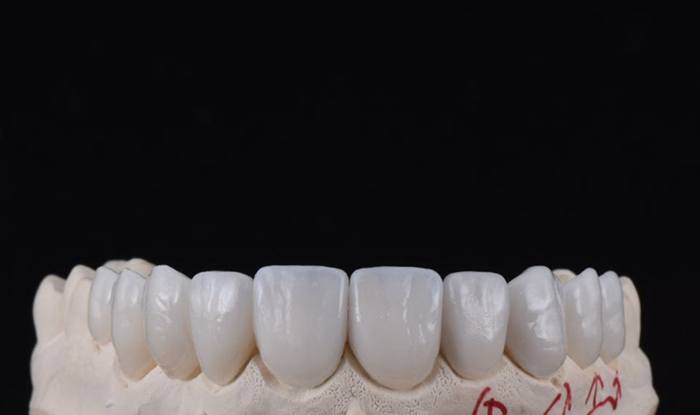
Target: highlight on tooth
{"x": 131, "y": 337}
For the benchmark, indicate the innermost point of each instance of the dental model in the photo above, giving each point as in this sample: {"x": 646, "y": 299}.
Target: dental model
{"x": 130, "y": 338}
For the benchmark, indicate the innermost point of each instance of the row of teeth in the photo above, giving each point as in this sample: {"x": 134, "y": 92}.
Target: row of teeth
{"x": 395, "y": 319}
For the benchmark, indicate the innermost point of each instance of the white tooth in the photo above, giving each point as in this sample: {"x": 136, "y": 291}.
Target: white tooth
{"x": 563, "y": 275}
{"x": 613, "y": 317}
{"x": 536, "y": 337}
{"x": 300, "y": 315}
{"x": 395, "y": 322}
{"x": 633, "y": 315}
{"x": 139, "y": 265}
{"x": 168, "y": 331}
{"x": 221, "y": 314}
{"x": 474, "y": 322}
{"x": 48, "y": 308}
{"x": 129, "y": 327}
{"x": 100, "y": 305}
{"x": 115, "y": 264}
{"x": 77, "y": 274}
{"x": 582, "y": 317}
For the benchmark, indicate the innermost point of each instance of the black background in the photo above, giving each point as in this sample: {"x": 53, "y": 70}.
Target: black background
{"x": 471, "y": 143}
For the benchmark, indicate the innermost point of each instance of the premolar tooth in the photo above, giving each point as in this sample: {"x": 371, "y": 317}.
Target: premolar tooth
{"x": 100, "y": 305}
{"x": 536, "y": 337}
{"x": 613, "y": 316}
{"x": 77, "y": 274}
{"x": 474, "y": 322}
{"x": 582, "y": 316}
{"x": 395, "y": 322}
{"x": 300, "y": 321}
{"x": 221, "y": 314}
{"x": 139, "y": 265}
{"x": 128, "y": 325}
{"x": 168, "y": 322}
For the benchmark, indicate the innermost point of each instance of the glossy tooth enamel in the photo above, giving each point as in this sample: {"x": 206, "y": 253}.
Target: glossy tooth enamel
{"x": 168, "y": 331}
{"x": 474, "y": 322}
{"x": 395, "y": 322}
{"x": 536, "y": 337}
{"x": 300, "y": 321}
{"x": 129, "y": 325}
{"x": 100, "y": 305}
{"x": 221, "y": 314}
{"x": 582, "y": 317}
{"x": 613, "y": 317}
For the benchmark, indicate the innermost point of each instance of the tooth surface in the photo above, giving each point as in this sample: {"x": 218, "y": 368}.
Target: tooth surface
{"x": 221, "y": 314}
{"x": 129, "y": 327}
{"x": 141, "y": 266}
{"x": 300, "y": 321}
{"x": 77, "y": 274}
{"x": 474, "y": 322}
{"x": 582, "y": 317}
{"x": 633, "y": 315}
{"x": 395, "y": 322}
{"x": 535, "y": 339}
{"x": 100, "y": 305}
{"x": 47, "y": 308}
{"x": 613, "y": 316}
{"x": 168, "y": 331}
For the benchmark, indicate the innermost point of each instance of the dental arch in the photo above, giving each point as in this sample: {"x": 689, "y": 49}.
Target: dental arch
{"x": 309, "y": 339}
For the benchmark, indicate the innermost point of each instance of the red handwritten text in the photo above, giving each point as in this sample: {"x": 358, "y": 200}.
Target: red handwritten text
{"x": 489, "y": 404}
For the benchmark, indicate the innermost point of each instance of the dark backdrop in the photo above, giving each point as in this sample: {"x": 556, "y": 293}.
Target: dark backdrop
{"x": 482, "y": 144}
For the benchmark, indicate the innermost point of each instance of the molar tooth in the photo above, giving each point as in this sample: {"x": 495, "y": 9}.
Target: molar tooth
{"x": 395, "y": 322}
{"x": 48, "y": 308}
{"x": 168, "y": 322}
{"x": 613, "y": 317}
{"x": 300, "y": 321}
{"x": 474, "y": 322}
{"x": 129, "y": 327}
{"x": 536, "y": 337}
{"x": 221, "y": 314}
{"x": 633, "y": 315}
{"x": 100, "y": 305}
{"x": 582, "y": 315}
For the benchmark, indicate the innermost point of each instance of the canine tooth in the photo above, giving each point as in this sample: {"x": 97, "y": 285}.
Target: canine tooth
{"x": 128, "y": 325}
{"x": 613, "y": 316}
{"x": 395, "y": 322}
{"x": 474, "y": 322}
{"x": 47, "y": 309}
{"x": 536, "y": 337}
{"x": 300, "y": 321}
{"x": 221, "y": 314}
{"x": 582, "y": 317}
{"x": 100, "y": 305}
{"x": 168, "y": 331}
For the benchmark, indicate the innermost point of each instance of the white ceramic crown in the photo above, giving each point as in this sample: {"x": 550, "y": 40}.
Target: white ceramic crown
{"x": 134, "y": 339}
